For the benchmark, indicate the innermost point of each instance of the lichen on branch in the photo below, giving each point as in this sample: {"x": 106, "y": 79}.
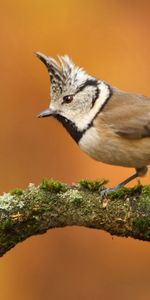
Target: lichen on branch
{"x": 24, "y": 213}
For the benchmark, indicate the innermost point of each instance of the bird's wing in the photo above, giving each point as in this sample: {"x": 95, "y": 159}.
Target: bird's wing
{"x": 127, "y": 115}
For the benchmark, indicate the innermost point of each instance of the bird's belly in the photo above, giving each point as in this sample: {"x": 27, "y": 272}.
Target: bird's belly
{"x": 115, "y": 150}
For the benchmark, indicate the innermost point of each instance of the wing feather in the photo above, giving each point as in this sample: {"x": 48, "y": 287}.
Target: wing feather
{"x": 127, "y": 115}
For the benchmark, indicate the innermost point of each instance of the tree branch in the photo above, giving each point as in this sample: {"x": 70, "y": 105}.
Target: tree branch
{"x": 52, "y": 204}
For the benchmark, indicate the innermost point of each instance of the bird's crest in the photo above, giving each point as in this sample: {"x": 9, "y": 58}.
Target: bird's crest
{"x": 63, "y": 74}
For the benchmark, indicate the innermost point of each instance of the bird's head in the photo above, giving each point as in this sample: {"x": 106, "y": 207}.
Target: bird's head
{"x": 76, "y": 97}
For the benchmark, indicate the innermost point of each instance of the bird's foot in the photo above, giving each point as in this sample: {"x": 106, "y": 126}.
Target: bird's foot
{"x": 104, "y": 199}
{"x": 105, "y": 192}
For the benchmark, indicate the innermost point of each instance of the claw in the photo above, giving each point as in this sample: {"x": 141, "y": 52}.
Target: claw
{"x": 104, "y": 202}
{"x": 105, "y": 192}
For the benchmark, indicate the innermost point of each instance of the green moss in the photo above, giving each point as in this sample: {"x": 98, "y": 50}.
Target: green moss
{"x": 92, "y": 185}
{"x": 6, "y": 224}
{"x": 141, "y": 226}
{"x": 118, "y": 194}
{"x": 136, "y": 190}
{"x": 125, "y": 192}
{"x": 16, "y": 191}
{"x": 73, "y": 196}
{"x": 77, "y": 200}
{"x": 53, "y": 185}
{"x": 146, "y": 192}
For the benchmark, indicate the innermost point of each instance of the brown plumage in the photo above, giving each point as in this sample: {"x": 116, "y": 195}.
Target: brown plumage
{"x": 110, "y": 125}
{"x": 123, "y": 134}
{"x": 128, "y": 114}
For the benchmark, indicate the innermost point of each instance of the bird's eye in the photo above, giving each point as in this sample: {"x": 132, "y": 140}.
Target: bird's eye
{"x": 67, "y": 99}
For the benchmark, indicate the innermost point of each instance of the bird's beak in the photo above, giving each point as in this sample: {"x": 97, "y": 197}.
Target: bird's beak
{"x": 46, "y": 113}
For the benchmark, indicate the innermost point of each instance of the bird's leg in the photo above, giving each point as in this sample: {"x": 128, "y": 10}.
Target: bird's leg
{"x": 139, "y": 172}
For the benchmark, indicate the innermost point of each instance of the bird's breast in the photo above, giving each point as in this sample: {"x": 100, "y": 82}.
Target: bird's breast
{"x": 99, "y": 148}
{"x": 90, "y": 143}
{"x": 106, "y": 146}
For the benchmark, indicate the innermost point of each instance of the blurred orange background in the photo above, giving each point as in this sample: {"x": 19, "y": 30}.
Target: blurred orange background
{"x": 110, "y": 39}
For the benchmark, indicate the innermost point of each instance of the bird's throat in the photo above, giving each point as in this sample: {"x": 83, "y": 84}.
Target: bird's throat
{"x": 70, "y": 127}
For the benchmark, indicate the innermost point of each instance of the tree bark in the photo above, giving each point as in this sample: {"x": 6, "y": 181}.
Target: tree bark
{"x": 125, "y": 212}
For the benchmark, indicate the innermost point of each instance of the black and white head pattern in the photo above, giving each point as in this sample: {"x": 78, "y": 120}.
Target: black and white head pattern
{"x": 76, "y": 97}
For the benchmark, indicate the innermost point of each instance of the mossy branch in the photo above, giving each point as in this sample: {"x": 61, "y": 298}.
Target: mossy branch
{"x": 52, "y": 204}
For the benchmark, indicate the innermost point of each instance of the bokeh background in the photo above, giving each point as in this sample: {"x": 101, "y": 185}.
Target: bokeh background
{"x": 111, "y": 39}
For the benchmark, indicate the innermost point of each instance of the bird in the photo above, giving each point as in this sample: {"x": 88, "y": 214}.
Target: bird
{"x": 110, "y": 125}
